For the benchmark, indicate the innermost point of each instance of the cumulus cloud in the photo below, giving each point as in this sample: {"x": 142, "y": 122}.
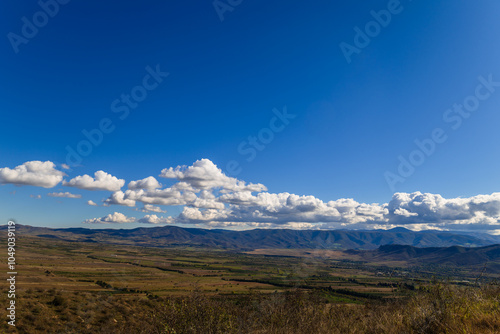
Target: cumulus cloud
{"x": 152, "y": 208}
{"x": 191, "y": 215}
{"x": 36, "y": 196}
{"x": 149, "y": 183}
{"x": 204, "y": 174}
{"x": 91, "y": 203}
{"x": 102, "y": 181}
{"x": 404, "y": 213}
{"x": 32, "y": 173}
{"x": 206, "y": 199}
{"x": 207, "y": 203}
{"x": 65, "y": 194}
{"x": 154, "y": 219}
{"x": 120, "y": 218}
{"x": 195, "y": 187}
{"x": 180, "y": 193}
{"x": 118, "y": 198}
{"x": 115, "y": 218}
{"x": 65, "y": 166}
{"x": 284, "y": 209}
{"x": 481, "y": 212}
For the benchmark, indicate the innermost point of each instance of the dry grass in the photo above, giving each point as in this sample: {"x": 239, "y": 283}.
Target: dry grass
{"x": 437, "y": 309}
{"x": 440, "y": 309}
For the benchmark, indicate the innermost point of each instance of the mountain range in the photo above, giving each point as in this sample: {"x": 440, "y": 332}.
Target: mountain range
{"x": 169, "y": 236}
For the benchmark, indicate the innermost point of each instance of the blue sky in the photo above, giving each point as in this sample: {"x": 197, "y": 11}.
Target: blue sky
{"x": 350, "y": 119}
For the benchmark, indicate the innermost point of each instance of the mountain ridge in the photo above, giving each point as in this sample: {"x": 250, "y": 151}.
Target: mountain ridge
{"x": 451, "y": 256}
{"x": 166, "y": 236}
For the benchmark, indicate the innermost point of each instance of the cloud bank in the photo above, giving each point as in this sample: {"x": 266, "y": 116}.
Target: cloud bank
{"x": 209, "y": 198}
{"x": 212, "y": 199}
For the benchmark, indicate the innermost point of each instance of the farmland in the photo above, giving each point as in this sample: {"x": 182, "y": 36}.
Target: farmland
{"x": 74, "y": 266}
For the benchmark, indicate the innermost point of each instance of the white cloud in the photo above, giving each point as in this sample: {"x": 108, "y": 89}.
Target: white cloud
{"x": 431, "y": 207}
{"x": 207, "y": 204}
{"x": 36, "y": 196}
{"x": 152, "y": 208}
{"x": 180, "y": 193}
{"x": 194, "y": 215}
{"x": 204, "y": 174}
{"x": 207, "y": 200}
{"x": 481, "y": 212}
{"x": 285, "y": 209}
{"x": 115, "y": 218}
{"x": 102, "y": 181}
{"x": 65, "y": 166}
{"x": 194, "y": 188}
{"x": 32, "y": 173}
{"x": 118, "y": 198}
{"x": 91, "y": 203}
{"x": 65, "y": 194}
{"x": 149, "y": 183}
{"x": 154, "y": 219}
{"x": 404, "y": 213}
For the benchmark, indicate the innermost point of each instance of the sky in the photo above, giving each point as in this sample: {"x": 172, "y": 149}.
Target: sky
{"x": 249, "y": 114}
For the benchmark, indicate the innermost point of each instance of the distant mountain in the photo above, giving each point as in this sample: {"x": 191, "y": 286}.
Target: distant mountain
{"x": 262, "y": 239}
{"x": 450, "y": 256}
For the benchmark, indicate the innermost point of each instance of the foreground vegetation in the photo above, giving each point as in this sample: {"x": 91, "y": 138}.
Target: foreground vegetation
{"x": 435, "y": 309}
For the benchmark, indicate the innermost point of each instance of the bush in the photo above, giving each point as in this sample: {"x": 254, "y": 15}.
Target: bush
{"x": 58, "y": 301}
